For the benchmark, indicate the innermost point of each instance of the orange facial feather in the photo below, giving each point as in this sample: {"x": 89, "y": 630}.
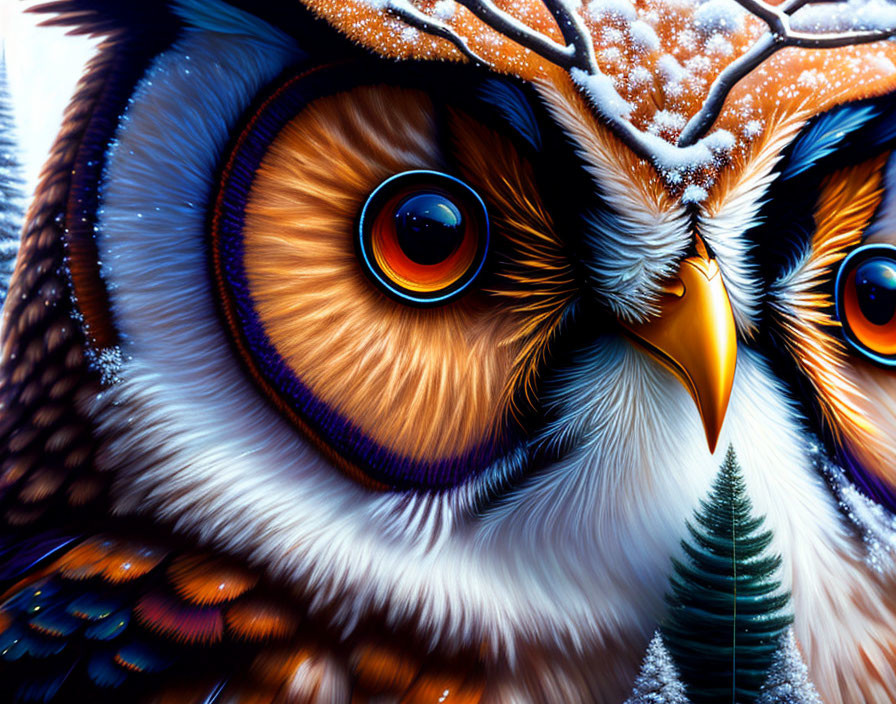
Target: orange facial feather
{"x": 849, "y": 390}
{"x": 404, "y": 375}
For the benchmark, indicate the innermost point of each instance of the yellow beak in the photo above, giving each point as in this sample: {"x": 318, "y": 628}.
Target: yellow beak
{"x": 694, "y": 336}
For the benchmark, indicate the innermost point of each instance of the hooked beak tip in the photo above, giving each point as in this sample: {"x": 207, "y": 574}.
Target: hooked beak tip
{"x": 696, "y": 338}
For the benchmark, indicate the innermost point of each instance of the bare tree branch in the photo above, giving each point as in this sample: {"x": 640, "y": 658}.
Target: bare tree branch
{"x": 706, "y": 116}
{"x": 413, "y": 17}
{"x": 780, "y": 35}
{"x": 510, "y": 27}
{"x": 577, "y": 56}
{"x": 575, "y": 33}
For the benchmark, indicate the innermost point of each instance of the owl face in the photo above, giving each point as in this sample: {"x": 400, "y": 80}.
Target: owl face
{"x": 429, "y": 343}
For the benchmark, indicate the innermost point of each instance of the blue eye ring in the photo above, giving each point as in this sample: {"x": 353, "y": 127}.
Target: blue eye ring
{"x": 377, "y": 214}
{"x": 845, "y": 308}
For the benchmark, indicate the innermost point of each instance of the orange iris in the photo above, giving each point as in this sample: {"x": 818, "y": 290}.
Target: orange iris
{"x": 424, "y": 236}
{"x": 414, "y": 275}
{"x": 869, "y": 305}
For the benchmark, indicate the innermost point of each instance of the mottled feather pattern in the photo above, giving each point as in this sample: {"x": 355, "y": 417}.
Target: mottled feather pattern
{"x": 107, "y": 635}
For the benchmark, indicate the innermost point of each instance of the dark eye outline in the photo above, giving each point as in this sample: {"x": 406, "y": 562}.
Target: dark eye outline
{"x": 847, "y": 266}
{"x": 437, "y": 181}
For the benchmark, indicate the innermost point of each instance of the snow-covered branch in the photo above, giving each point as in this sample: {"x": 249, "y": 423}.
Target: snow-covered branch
{"x": 781, "y": 34}
{"x": 510, "y": 27}
{"x": 403, "y": 10}
{"x": 576, "y": 55}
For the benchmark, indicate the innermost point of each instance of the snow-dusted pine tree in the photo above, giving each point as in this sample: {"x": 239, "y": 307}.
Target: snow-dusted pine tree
{"x": 788, "y": 678}
{"x": 727, "y": 611}
{"x": 12, "y": 200}
{"x": 658, "y": 682}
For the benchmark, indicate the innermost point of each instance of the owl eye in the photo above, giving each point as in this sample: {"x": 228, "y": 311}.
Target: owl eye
{"x": 866, "y": 301}
{"x": 423, "y": 237}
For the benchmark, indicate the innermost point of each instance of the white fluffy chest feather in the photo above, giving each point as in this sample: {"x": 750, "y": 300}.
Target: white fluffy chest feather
{"x": 575, "y": 561}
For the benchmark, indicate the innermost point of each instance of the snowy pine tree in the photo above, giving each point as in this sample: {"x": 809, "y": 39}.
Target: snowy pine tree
{"x": 727, "y": 611}
{"x": 658, "y": 682}
{"x": 788, "y": 678}
{"x": 11, "y": 183}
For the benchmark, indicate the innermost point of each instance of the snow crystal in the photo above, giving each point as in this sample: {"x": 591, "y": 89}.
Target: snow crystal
{"x": 644, "y": 36}
{"x": 617, "y": 9}
{"x": 610, "y": 55}
{"x": 687, "y": 40}
{"x": 612, "y": 35}
{"x": 674, "y": 176}
{"x": 720, "y": 141}
{"x": 752, "y": 129}
{"x": 670, "y": 69}
{"x": 876, "y": 525}
{"x": 603, "y": 93}
{"x": 640, "y": 75}
{"x": 694, "y": 194}
{"x": 719, "y": 45}
{"x": 810, "y": 78}
{"x": 658, "y": 682}
{"x": 444, "y": 10}
{"x": 698, "y": 64}
{"x": 788, "y": 681}
{"x": 667, "y": 121}
{"x": 846, "y": 16}
{"x": 724, "y": 16}
{"x": 109, "y": 362}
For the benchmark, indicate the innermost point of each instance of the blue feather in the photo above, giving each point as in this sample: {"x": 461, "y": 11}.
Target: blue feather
{"x": 884, "y": 131}
{"x": 45, "y": 688}
{"x": 29, "y": 554}
{"x": 215, "y": 694}
{"x": 16, "y": 643}
{"x": 93, "y": 607}
{"x": 514, "y": 108}
{"x": 825, "y": 136}
{"x": 54, "y": 622}
{"x": 109, "y": 627}
{"x": 104, "y": 672}
{"x": 140, "y": 657}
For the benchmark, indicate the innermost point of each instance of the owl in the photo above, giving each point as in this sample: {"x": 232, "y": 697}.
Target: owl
{"x": 381, "y": 350}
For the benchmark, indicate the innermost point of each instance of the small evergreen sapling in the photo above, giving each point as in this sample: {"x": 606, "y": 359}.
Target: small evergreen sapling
{"x": 658, "y": 681}
{"x": 788, "y": 678}
{"x": 726, "y": 609}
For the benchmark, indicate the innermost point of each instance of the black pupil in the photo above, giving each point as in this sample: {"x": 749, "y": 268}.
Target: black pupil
{"x": 430, "y": 227}
{"x": 876, "y": 290}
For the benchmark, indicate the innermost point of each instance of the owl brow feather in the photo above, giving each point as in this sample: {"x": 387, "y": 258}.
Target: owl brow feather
{"x": 578, "y": 54}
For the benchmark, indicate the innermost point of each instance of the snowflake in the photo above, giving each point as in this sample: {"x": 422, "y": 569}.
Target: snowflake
{"x": 694, "y": 194}
{"x": 644, "y": 36}
{"x": 719, "y": 45}
{"x": 444, "y": 10}
{"x": 752, "y": 129}
{"x": 724, "y": 16}
{"x": 616, "y": 9}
